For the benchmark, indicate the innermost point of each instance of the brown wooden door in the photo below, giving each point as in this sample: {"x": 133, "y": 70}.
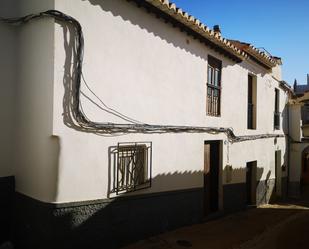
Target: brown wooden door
{"x": 278, "y": 173}
{"x": 211, "y": 176}
{"x": 251, "y": 182}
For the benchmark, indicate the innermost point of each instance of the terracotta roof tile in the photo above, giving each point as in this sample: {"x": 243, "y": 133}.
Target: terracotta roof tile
{"x": 231, "y": 46}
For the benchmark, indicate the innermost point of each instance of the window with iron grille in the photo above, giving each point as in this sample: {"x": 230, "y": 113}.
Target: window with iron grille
{"x": 213, "y": 86}
{"x": 276, "y": 112}
{"x": 131, "y": 167}
{"x": 251, "y": 109}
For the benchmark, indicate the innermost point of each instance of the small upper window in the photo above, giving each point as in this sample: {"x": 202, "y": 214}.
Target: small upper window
{"x": 213, "y": 86}
{"x": 277, "y": 113}
{"x": 252, "y": 107}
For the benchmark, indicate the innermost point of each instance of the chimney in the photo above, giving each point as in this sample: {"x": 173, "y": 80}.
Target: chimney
{"x": 308, "y": 79}
{"x": 217, "y": 30}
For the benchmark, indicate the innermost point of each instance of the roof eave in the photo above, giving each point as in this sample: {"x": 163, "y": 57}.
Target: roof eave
{"x": 192, "y": 26}
{"x": 286, "y": 86}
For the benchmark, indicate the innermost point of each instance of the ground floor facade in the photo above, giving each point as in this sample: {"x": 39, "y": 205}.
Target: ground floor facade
{"x": 227, "y": 178}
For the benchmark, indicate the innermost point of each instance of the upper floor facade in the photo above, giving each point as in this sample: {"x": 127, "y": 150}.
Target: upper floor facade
{"x": 158, "y": 70}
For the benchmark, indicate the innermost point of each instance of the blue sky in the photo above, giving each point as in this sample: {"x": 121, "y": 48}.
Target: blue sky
{"x": 280, "y": 26}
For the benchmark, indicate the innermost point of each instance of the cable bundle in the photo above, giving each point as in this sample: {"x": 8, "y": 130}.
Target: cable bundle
{"x": 113, "y": 128}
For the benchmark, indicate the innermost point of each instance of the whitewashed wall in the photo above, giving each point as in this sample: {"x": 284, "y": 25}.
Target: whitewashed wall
{"x": 297, "y": 144}
{"x": 35, "y": 150}
{"x": 295, "y": 121}
{"x": 296, "y": 147}
{"x": 296, "y": 161}
{"x": 144, "y": 68}
{"x": 152, "y": 72}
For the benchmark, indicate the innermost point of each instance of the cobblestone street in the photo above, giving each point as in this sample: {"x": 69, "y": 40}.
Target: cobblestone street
{"x": 283, "y": 226}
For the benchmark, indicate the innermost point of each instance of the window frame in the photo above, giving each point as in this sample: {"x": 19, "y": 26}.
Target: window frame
{"x": 252, "y": 102}
{"x": 214, "y": 87}
{"x": 124, "y": 165}
{"x": 277, "y": 110}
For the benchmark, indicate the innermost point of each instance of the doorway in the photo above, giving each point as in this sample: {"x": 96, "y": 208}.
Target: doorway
{"x": 305, "y": 167}
{"x": 211, "y": 176}
{"x": 251, "y": 182}
{"x": 278, "y": 173}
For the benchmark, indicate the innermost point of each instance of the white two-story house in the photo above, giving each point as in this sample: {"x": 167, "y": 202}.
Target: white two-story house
{"x": 149, "y": 121}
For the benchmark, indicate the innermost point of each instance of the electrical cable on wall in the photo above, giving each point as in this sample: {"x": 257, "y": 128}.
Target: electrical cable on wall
{"x": 113, "y": 128}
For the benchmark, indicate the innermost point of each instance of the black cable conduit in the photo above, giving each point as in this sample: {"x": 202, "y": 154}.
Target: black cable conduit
{"x": 114, "y": 128}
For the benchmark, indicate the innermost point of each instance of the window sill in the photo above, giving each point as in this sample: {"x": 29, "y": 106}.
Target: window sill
{"x": 213, "y": 116}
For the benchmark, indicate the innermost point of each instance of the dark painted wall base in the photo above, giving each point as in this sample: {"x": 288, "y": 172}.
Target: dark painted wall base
{"x": 284, "y": 190}
{"x": 265, "y": 191}
{"x": 113, "y": 223}
{"x": 7, "y": 189}
{"x": 234, "y": 197}
{"x": 103, "y": 224}
{"x": 294, "y": 190}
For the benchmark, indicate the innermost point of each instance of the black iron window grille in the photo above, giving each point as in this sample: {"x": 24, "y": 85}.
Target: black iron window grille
{"x": 277, "y": 113}
{"x": 213, "y": 86}
{"x": 277, "y": 120}
{"x": 250, "y": 115}
{"x": 131, "y": 167}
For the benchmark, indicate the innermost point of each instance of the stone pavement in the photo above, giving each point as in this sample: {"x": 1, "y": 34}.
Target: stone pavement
{"x": 282, "y": 226}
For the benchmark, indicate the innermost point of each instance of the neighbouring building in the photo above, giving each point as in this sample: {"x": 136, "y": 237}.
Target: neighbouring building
{"x": 299, "y": 143}
{"x": 301, "y": 89}
{"x": 171, "y": 123}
